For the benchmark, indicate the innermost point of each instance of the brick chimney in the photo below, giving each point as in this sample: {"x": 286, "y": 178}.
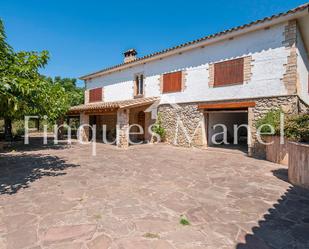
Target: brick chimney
{"x": 130, "y": 55}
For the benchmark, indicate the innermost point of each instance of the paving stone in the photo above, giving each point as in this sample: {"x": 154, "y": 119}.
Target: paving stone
{"x": 21, "y": 238}
{"x": 155, "y": 225}
{"x": 63, "y": 198}
{"x": 64, "y": 233}
{"x": 67, "y": 246}
{"x": 100, "y": 242}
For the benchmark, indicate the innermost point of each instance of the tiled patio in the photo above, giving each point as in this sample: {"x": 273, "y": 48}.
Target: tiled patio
{"x": 63, "y": 198}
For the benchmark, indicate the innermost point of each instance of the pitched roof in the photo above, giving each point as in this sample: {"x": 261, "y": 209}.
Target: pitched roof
{"x": 112, "y": 105}
{"x": 219, "y": 34}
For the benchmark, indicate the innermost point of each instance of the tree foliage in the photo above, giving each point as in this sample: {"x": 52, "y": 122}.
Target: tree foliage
{"x": 297, "y": 127}
{"x": 23, "y": 91}
{"x": 158, "y": 128}
{"x": 75, "y": 93}
{"x": 271, "y": 118}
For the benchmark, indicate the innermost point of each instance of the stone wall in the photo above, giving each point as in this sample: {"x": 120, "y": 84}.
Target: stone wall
{"x": 303, "y": 107}
{"x": 184, "y": 124}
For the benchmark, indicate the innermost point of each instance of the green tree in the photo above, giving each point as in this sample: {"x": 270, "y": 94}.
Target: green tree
{"x": 23, "y": 91}
{"x": 75, "y": 93}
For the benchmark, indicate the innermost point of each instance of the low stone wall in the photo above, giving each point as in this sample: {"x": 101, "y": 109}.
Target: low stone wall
{"x": 289, "y": 104}
{"x": 299, "y": 164}
{"x": 276, "y": 152}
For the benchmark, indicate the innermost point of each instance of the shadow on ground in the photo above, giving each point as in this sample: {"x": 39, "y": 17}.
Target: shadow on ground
{"x": 36, "y": 143}
{"x": 19, "y": 170}
{"x": 286, "y": 225}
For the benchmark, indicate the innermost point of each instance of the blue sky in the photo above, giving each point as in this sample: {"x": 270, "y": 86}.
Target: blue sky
{"x": 85, "y": 36}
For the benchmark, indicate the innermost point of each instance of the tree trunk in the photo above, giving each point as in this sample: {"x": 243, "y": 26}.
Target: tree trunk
{"x": 60, "y": 122}
{"x": 8, "y": 136}
{"x": 38, "y": 124}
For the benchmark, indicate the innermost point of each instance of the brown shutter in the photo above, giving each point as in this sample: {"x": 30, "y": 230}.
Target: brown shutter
{"x": 229, "y": 72}
{"x": 95, "y": 95}
{"x": 172, "y": 82}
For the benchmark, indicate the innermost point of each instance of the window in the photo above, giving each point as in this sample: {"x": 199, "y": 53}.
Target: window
{"x": 172, "y": 82}
{"x": 139, "y": 85}
{"x": 229, "y": 72}
{"x": 95, "y": 95}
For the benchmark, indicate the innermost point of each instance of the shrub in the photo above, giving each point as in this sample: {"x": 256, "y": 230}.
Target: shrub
{"x": 297, "y": 128}
{"x": 1, "y": 125}
{"x": 18, "y": 127}
{"x": 184, "y": 221}
{"x": 158, "y": 128}
{"x": 271, "y": 118}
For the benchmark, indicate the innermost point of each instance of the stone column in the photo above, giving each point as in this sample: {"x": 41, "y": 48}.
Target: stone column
{"x": 205, "y": 128}
{"x": 86, "y": 99}
{"x": 84, "y": 132}
{"x": 200, "y": 138}
{"x": 251, "y": 132}
{"x": 123, "y": 128}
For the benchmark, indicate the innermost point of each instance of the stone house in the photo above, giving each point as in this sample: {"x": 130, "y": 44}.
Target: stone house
{"x": 231, "y": 77}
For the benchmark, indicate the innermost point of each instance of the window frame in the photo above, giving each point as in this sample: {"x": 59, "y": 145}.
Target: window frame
{"x": 91, "y": 96}
{"x": 226, "y": 82}
{"x": 181, "y": 82}
{"x": 139, "y": 87}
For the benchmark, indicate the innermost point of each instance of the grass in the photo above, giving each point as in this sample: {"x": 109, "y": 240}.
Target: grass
{"x": 98, "y": 216}
{"x": 151, "y": 236}
{"x": 184, "y": 221}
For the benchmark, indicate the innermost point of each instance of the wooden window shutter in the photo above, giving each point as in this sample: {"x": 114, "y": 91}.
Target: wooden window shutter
{"x": 229, "y": 72}
{"x": 95, "y": 95}
{"x": 172, "y": 82}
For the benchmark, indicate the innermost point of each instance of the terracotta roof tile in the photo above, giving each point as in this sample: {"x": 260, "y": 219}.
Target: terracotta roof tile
{"x": 113, "y": 105}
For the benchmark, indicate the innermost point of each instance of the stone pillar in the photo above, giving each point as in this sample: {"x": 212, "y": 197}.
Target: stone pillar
{"x": 123, "y": 128}
{"x": 205, "y": 129}
{"x": 199, "y": 136}
{"x": 86, "y": 99}
{"x": 251, "y": 131}
{"x": 84, "y": 132}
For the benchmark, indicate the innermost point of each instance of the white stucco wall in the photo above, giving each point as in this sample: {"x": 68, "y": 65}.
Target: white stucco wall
{"x": 302, "y": 69}
{"x": 265, "y": 46}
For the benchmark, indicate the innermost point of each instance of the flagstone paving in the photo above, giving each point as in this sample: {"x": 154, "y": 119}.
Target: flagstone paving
{"x": 64, "y": 198}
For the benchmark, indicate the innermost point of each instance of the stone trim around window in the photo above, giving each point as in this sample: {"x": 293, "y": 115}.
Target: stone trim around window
{"x": 211, "y": 77}
{"x": 86, "y": 96}
{"x": 290, "y": 76}
{"x": 248, "y": 65}
{"x": 135, "y": 95}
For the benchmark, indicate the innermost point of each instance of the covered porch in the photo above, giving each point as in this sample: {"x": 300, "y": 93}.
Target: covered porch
{"x": 115, "y": 122}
